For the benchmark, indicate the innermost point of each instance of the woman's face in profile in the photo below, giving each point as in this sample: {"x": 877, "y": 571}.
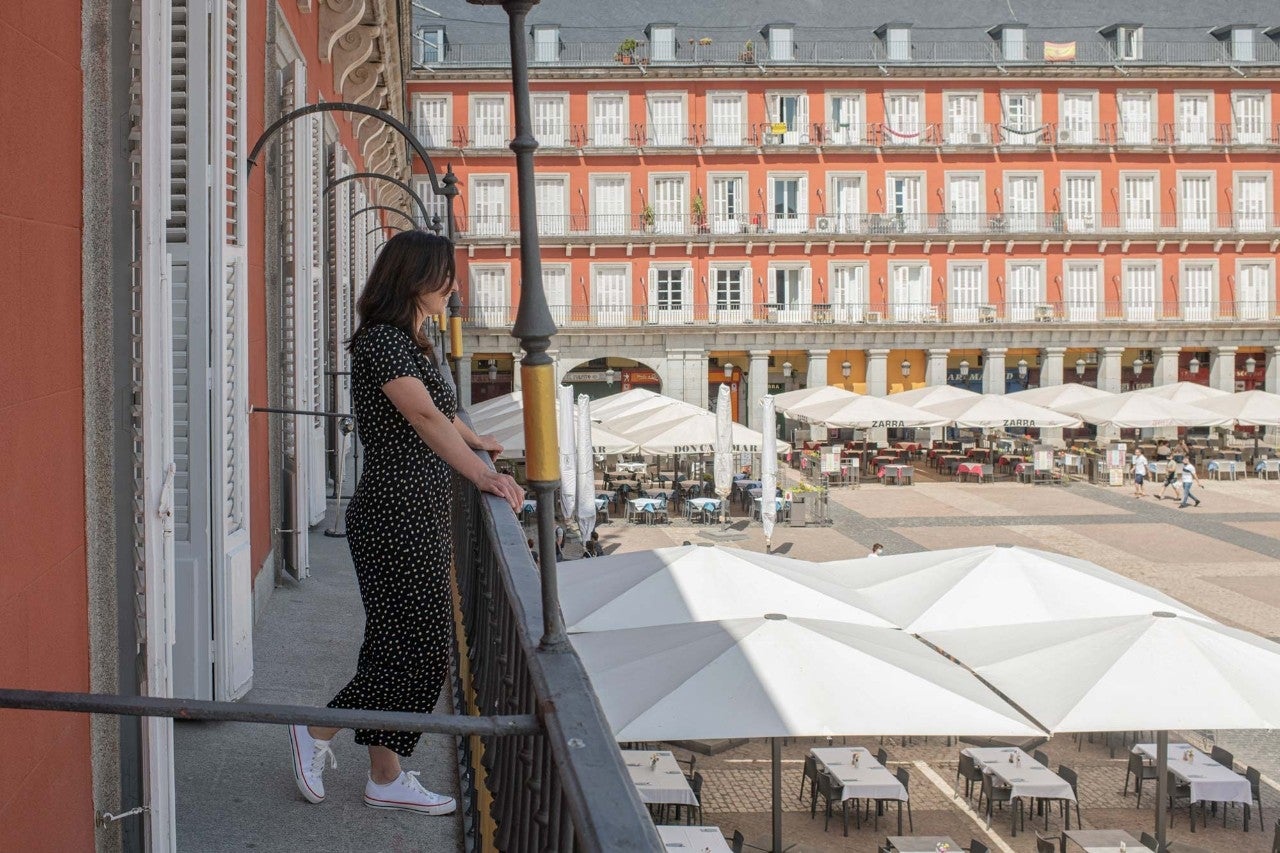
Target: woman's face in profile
{"x": 436, "y": 302}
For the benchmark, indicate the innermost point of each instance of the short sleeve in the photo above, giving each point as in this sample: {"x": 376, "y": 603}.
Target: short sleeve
{"x": 389, "y": 354}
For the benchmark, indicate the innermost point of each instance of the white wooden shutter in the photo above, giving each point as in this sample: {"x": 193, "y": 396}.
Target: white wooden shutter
{"x": 1023, "y": 202}
{"x": 550, "y": 195}
{"x": 966, "y": 293}
{"x": 1077, "y": 120}
{"x": 488, "y": 207}
{"x": 1193, "y": 120}
{"x": 846, "y": 205}
{"x": 965, "y": 197}
{"x": 1251, "y": 203}
{"x": 651, "y": 302}
{"x": 962, "y": 121}
{"x": 548, "y": 120}
{"x": 1249, "y": 118}
{"x": 726, "y": 198}
{"x": 903, "y": 119}
{"x": 803, "y": 310}
{"x": 555, "y": 283}
{"x": 489, "y": 124}
{"x": 1081, "y": 202}
{"x": 1019, "y": 126}
{"x": 1135, "y": 119}
{"x": 748, "y": 291}
{"x": 726, "y": 120}
{"x": 1253, "y": 291}
{"x": 608, "y": 129}
{"x": 431, "y": 117}
{"x": 802, "y": 119}
{"x": 1198, "y": 281}
{"x": 669, "y": 205}
{"x": 1082, "y": 293}
{"x": 1197, "y": 202}
{"x": 686, "y": 295}
{"x": 665, "y": 126}
{"x": 1139, "y": 202}
{"x": 849, "y": 293}
{"x": 609, "y": 204}
{"x": 1140, "y": 292}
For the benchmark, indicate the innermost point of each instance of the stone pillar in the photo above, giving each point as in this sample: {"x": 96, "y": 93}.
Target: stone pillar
{"x": 1222, "y": 368}
{"x": 1272, "y": 380}
{"x": 516, "y": 384}
{"x": 878, "y": 372}
{"x": 464, "y": 381}
{"x": 1165, "y": 370}
{"x": 1109, "y": 368}
{"x": 817, "y": 375}
{"x": 935, "y": 369}
{"x": 993, "y": 370}
{"x": 1051, "y": 365}
{"x": 757, "y": 387}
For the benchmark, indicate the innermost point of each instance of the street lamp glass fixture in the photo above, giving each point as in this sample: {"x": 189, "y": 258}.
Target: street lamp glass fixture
{"x": 845, "y": 369}
{"x": 1194, "y": 365}
{"x": 1022, "y": 368}
{"x": 964, "y": 369}
{"x": 609, "y": 376}
{"x": 1250, "y": 364}
{"x": 1079, "y": 367}
{"x": 728, "y": 371}
{"x": 1138, "y": 364}
{"x": 906, "y": 368}
{"x": 786, "y": 370}
{"x": 493, "y": 370}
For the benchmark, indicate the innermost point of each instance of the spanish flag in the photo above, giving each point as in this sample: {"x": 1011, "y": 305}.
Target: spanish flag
{"x": 1055, "y": 51}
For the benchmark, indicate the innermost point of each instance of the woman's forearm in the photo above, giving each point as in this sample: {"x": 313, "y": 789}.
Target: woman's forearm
{"x": 442, "y": 436}
{"x": 467, "y": 433}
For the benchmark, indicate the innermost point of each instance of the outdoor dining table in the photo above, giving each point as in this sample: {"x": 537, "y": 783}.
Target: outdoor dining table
{"x": 1026, "y": 778}
{"x": 1210, "y": 781}
{"x": 701, "y": 506}
{"x": 868, "y": 780}
{"x": 921, "y": 843}
{"x": 696, "y": 838}
{"x": 661, "y": 782}
{"x": 898, "y": 473}
{"x": 637, "y": 506}
{"x": 974, "y": 468}
{"x": 949, "y": 461}
{"x": 1103, "y": 840}
{"x": 634, "y": 467}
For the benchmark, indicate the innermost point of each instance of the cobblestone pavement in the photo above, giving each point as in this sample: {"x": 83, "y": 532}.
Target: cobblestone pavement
{"x": 1220, "y": 558}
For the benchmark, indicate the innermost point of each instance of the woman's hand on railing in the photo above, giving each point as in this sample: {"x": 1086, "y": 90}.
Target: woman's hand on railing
{"x": 502, "y": 485}
{"x": 488, "y": 444}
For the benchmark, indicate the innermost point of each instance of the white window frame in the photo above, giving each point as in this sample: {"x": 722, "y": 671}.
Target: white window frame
{"x": 1243, "y": 44}
{"x": 1198, "y": 312}
{"x": 1024, "y": 137}
{"x": 672, "y": 137}
{"x": 680, "y": 314}
{"x": 1255, "y": 309}
{"x": 559, "y": 137}
{"x": 910, "y": 223}
{"x": 486, "y": 224}
{"x": 1141, "y": 314}
{"x": 797, "y": 221}
{"x": 1128, "y": 43}
{"x": 436, "y": 204}
{"x": 559, "y": 226}
{"x": 1148, "y": 135}
{"x": 900, "y": 132}
{"x": 594, "y": 98}
{"x": 897, "y": 43}
{"x": 965, "y": 133}
{"x": 1186, "y": 221}
{"x": 782, "y": 43}
{"x": 1181, "y": 136}
{"x": 798, "y": 135}
{"x": 475, "y": 133}
{"x": 422, "y": 43}
{"x": 843, "y": 221}
{"x": 561, "y": 310}
{"x": 437, "y": 136}
{"x": 847, "y": 310}
{"x": 852, "y": 133}
{"x": 1028, "y": 220}
{"x": 799, "y": 310}
{"x": 667, "y": 224}
{"x": 1077, "y": 136}
{"x": 1253, "y": 221}
{"x": 1023, "y": 310}
{"x": 965, "y": 221}
{"x": 739, "y": 221}
{"x": 1127, "y": 221}
{"x": 912, "y": 311}
{"x": 611, "y": 315}
{"x": 662, "y": 43}
{"x": 744, "y": 311}
{"x": 622, "y": 225}
{"x": 1082, "y": 311}
{"x": 963, "y": 312}
{"x": 1263, "y": 136}
{"x": 546, "y": 51}
{"x": 1071, "y": 220}
{"x": 1013, "y": 49}
{"x": 499, "y": 314}
{"x": 718, "y": 136}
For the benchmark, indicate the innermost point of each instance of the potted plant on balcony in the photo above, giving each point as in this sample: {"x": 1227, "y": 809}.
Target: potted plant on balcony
{"x": 748, "y": 52}
{"x": 647, "y": 217}
{"x": 698, "y": 209}
{"x": 705, "y": 41}
{"x": 627, "y": 51}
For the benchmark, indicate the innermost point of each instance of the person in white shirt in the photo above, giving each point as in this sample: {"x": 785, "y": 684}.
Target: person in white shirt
{"x": 875, "y": 550}
{"x": 1139, "y": 474}
{"x": 1188, "y": 477}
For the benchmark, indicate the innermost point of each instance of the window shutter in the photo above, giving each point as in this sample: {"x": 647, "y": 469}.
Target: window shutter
{"x": 651, "y": 307}
{"x": 802, "y": 118}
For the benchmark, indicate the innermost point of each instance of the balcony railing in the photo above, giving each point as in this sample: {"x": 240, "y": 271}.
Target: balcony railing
{"x": 878, "y": 226}
{"x": 856, "y": 53}
{"x": 870, "y": 314}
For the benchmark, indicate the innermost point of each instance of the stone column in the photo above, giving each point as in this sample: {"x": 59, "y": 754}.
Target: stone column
{"x": 1051, "y": 365}
{"x": 993, "y": 370}
{"x": 878, "y": 372}
{"x": 1222, "y": 368}
{"x": 464, "y": 381}
{"x": 817, "y": 375}
{"x": 1109, "y": 368}
{"x": 935, "y": 369}
{"x": 1272, "y": 380}
{"x": 516, "y": 384}
{"x": 1165, "y": 370}
{"x": 757, "y": 387}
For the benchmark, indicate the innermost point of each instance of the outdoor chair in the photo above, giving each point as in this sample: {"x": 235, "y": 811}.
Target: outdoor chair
{"x": 1148, "y": 840}
{"x": 691, "y": 761}
{"x": 696, "y": 785}
{"x": 998, "y": 794}
{"x": 1275, "y": 839}
{"x": 1141, "y": 771}
{"x": 1255, "y": 791}
{"x": 1223, "y": 757}
{"x": 829, "y": 790}
{"x": 882, "y": 756}
{"x": 1270, "y": 467}
{"x": 1041, "y": 756}
{"x": 1179, "y": 790}
{"x": 810, "y": 777}
{"x": 976, "y": 846}
{"x": 1045, "y": 845}
{"x": 970, "y": 772}
{"x": 738, "y": 842}
{"x": 1071, "y": 778}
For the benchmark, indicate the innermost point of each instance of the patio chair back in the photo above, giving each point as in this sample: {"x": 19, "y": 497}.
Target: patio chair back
{"x": 1223, "y": 757}
{"x": 882, "y": 756}
{"x": 976, "y": 846}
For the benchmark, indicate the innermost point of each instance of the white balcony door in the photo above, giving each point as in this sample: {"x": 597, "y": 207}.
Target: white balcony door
{"x": 793, "y": 111}
{"x": 1023, "y": 202}
{"x": 550, "y": 196}
{"x": 790, "y": 294}
{"x": 1193, "y": 120}
{"x": 1251, "y": 203}
{"x": 1140, "y": 283}
{"x": 1139, "y": 203}
{"x": 966, "y": 293}
{"x": 963, "y": 127}
{"x": 847, "y": 121}
{"x": 670, "y": 295}
{"x": 609, "y": 205}
{"x": 1020, "y": 126}
{"x": 732, "y": 295}
{"x": 1197, "y": 291}
{"x": 788, "y": 203}
{"x": 488, "y": 206}
{"x": 1076, "y": 127}
{"x": 666, "y": 125}
{"x": 846, "y": 203}
{"x": 726, "y": 120}
{"x": 490, "y": 296}
{"x": 1082, "y": 293}
{"x": 728, "y": 205}
{"x": 669, "y": 205}
{"x": 1197, "y": 203}
{"x": 431, "y": 117}
{"x": 608, "y": 126}
{"x": 549, "y": 125}
{"x": 902, "y": 125}
{"x": 848, "y": 293}
{"x": 910, "y": 292}
{"x": 555, "y": 283}
{"x": 906, "y": 200}
{"x": 490, "y": 124}
{"x": 1253, "y": 291}
{"x": 1024, "y": 289}
{"x": 1249, "y": 113}
{"x": 1080, "y": 202}
{"x": 1135, "y": 120}
{"x": 611, "y": 297}
{"x": 964, "y": 202}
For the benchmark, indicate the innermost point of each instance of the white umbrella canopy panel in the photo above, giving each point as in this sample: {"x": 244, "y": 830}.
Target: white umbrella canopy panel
{"x": 931, "y": 395}
{"x": 807, "y": 396}
{"x": 694, "y": 583}
{"x": 775, "y": 676}
{"x": 1248, "y": 408}
{"x": 696, "y": 433}
{"x": 603, "y": 442}
{"x": 996, "y": 411}
{"x": 1183, "y": 392}
{"x": 989, "y": 585}
{"x": 866, "y": 412}
{"x": 1157, "y": 671}
{"x": 1136, "y": 410}
{"x": 1057, "y": 396}
{"x": 650, "y": 416}
{"x": 624, "y": 402}
{"x": 502, "y": 404}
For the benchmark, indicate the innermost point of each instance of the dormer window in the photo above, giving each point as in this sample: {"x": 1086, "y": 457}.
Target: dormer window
{"x": 1240, "y": 41}
{"x": 1013, "y": 41}
{"x": 546, "y": 43}
{"x": 662, "y": 42}
{"x": 429, "y": 45}
{"x": 897, "y": 41}
{"x": 1126, "y": 40}
{"x": 782, "y": 42}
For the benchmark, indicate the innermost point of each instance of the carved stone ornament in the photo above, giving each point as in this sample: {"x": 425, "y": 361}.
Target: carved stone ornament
{"x": 351, "y": 51}
{"x": 337, "y": 17}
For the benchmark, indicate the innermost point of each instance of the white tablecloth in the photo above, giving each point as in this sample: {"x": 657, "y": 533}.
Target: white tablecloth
{"x": 634, "y": 467}
{"x": 1210, "y": 781}
{"x": 1028, "y": 779}
{"x": 869, "y": 780}
{"x": 702, "y": 503}
{"x": 664, "y": 783}
{"x": 696, "y": 839}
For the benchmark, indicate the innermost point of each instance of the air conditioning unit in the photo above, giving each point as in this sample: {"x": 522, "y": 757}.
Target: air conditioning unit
{"x": 977, "y": 138}
{"x": 1066, "y": 136}
{"x": 874, "y": 317}
{"x": 825, "y": 224}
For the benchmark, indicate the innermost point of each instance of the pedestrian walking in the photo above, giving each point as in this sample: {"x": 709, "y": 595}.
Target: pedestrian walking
{"x": 1139, "y": 474}
{"x": 1188, "y": 477}
{"x": 592, "y": 548}
{"x": 559, "y": 543}
{"x": 399, "y": 521}
{"x": 1179, "y": 454}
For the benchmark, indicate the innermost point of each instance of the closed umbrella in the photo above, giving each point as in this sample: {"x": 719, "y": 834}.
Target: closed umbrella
{"x": 1184, "y": 392}
{"x": 768, "y": 471}
{"x": 586, "y": 472}
{"x": 866, "y": 412}
{"x": 1058, "y": 396}
{"x": 997, "y": 411}
{"x": 693, "y": 583}
{"x": 568, "y": 451}
{"x": 723, "y": 449}
{"x": 1248, "y": 408}
{"x": 1137, "y": 410}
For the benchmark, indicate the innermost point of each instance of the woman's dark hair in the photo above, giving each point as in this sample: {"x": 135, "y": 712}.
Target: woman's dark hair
{"x": 411, "y": 264}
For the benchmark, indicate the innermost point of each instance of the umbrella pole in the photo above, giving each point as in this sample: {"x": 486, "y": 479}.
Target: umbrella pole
{"x": 775, "y": 747}
{"x": 1162, "y": 785}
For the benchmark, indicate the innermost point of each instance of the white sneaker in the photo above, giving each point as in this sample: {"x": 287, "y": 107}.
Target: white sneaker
{"x": 405, "y": 792}
{"x": 308, "y": 762}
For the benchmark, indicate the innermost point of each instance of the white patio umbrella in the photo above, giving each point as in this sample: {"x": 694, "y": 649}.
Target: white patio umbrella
{"x": 565, "y": 431}
{"x": 634, "y": 400}
{"x": 1136, "y": 410}
{"x": 866, "y": 412}
{"x": 1183, "y": 392}
{"x": 997, "y": 411}
{"x": 989, "y": 585}
{"x": 722, "y": 446}
{"x": 650, "y": 415}
{"x": 696, "y": 433}
{"x": 1248, "y": 408}
{"x": 931, "y": 395}
{"x": 602, "y": 442}
{"x": 504, "y": 403}
{"x": 768, "y": 471}
{"x": 805, "y": 396}
{"x": 695, "y": 583}
{"x": 1057, "y": 396}
{"x": 585, "y": 465}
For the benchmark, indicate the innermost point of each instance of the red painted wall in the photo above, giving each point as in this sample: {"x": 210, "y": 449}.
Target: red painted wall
{"x": 45, "y": 784}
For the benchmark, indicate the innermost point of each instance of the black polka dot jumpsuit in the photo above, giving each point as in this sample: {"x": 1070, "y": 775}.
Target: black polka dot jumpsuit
{"x": 398, "y": 527}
